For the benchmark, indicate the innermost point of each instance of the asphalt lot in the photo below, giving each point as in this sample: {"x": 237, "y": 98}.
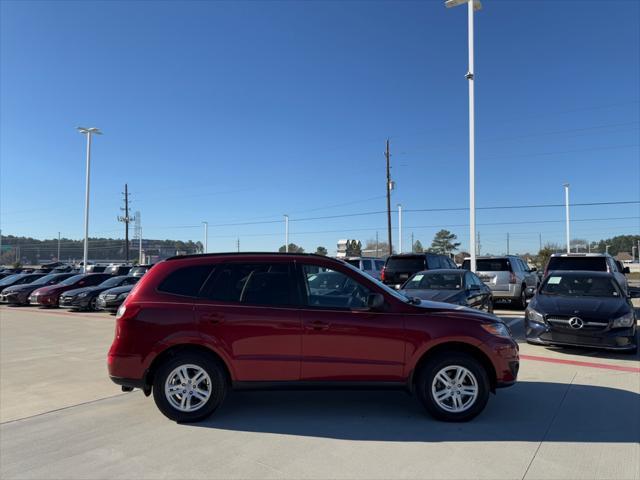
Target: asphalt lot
{"x": 573, "y": 414}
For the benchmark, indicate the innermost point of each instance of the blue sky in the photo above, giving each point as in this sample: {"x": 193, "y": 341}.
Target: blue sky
{"x": 236, "y": 112}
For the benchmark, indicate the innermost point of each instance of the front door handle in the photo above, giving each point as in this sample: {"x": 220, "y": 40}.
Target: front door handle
{"x": 212, "y": 318}
{"x": 318, "y": 325}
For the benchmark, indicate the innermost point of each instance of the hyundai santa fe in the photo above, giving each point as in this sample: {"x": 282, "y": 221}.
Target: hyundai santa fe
{"x": 196, "y": 326}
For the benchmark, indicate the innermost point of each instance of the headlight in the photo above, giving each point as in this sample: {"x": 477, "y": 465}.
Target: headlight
{"x": 123, "y": 295}
{"x": 83, "y": 294}
{"x": 534, "y": 316}
{"x": 497, "y": 329}
{"x": 624, "y": 321}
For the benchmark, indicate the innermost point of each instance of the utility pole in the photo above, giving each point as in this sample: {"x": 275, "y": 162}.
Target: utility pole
{"x": 137, "y": 235}
{"x": 478, "y": 245}
{"x": 206, "y": 237}
{"x": 126, "y": 219}
{"x": 376, "y": 244}
{"x": 58, "y": 246}
{"x": 286, "y": 233}
{"x": 399, "y": 228}
{"x": 507, "y": 243}
{"x": 238, "y": 244}
{"x": 412, "y": 244}
{"x": 540, "y": 241}
{"x": 389, "y": 188}
{"x": 566, "y": 207}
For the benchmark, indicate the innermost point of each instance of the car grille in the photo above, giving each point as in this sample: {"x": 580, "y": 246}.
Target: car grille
{"x": 561, "y": 322}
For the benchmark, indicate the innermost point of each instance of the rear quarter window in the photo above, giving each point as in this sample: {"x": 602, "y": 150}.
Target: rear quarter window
{"x": 185, "y": 281}
{"x": 405, "y": 264}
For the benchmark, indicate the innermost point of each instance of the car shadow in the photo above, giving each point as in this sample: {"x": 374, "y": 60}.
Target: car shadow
{"x": 528, "y": 411}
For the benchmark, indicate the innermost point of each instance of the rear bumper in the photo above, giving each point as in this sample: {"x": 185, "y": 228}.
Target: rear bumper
{"x": 128, "y": 382}
{"x": 510, "y": 291}
{"x": 619, "y": 339}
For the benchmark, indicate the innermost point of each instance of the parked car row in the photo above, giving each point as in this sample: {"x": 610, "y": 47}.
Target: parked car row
{"x": 76, "y": 291}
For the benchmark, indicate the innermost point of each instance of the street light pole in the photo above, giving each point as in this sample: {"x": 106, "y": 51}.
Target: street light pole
{"x": 206, "y": 237}
{"x": 88, "y": 132}
{"x": 286, "y": 233}
{"x": 471, "y": 6}
{"x": 58, "y": 247}
{"x": 566, "y": 208}
{"x": 399, "y": 228}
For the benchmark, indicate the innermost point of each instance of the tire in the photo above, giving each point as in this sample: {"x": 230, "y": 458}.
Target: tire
{"x": 92, "y": 304}
{"x": 426, "y": 382}
{"x": 521, "y": 302}
{"x": 214, "y": 387}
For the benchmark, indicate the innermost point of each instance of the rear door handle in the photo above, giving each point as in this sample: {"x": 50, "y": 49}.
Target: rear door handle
{"x": 213, "y": 318}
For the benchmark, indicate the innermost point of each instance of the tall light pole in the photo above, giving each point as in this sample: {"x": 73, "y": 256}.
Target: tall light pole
{"x": 286, "y": 233}
{"x": 206, "y": 237}
{"x": 140, "y": 246}
{"x": 399, "y": 228}
{"x": 58, "y": 246}
{"x": 88, "y": 132}
{"x": 566, "y": 214}
{"x": 471, "y": 6}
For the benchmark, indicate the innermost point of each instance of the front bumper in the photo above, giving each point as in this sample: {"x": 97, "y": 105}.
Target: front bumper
{"x": 505, "y": 357}
{"x": 43, "y": 301}
{"x": 74, "y": 302}
{"x": 618, "y": 339}
{"x": 110, "y": 305}
{"x": 14, "y": 298}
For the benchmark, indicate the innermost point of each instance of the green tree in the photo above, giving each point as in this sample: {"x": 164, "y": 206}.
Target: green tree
{"x": 543, "y": 255}
{"x": 444, "y": 242}
{"x": 293, "y": 248}
{"x": 321, "y": 251}
{"x": 417, "y": 247}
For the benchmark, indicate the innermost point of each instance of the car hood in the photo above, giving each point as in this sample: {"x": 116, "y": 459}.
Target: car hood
{"x": 592, "y": 306}
{"x": 432, "y": 294}
{"x": 119, "y": 290}
{"x": 48, "y": 290}
{"x": 458, "y": 310}
{"x": 76, "y": 291}
{"x": 19, "y": 288}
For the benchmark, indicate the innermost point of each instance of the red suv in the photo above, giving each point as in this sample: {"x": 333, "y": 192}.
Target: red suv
{"x": 196, "y": 326}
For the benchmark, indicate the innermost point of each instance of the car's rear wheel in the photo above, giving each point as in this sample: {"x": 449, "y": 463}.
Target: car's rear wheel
{"x": 93, "y": 303}
{"x": 521, "y": 302}
{"x": 189, "y": 387}
{"x": 453, "y": 387}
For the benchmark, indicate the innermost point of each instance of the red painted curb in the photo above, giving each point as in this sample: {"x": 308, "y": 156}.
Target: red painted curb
{"x": 581, "y": 364}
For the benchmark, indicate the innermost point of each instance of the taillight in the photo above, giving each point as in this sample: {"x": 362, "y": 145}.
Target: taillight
{"x": 382, "y": 274}
{"x": 127, "y": 312}
{"x": 512, "y": 278}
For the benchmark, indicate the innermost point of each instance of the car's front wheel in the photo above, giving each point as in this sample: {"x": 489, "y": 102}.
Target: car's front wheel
{"x": 453, "y": 387}
{"x": 189, "y": 387}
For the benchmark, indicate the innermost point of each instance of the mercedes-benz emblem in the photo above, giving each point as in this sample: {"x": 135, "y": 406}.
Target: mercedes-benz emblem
{"x": 576, "y": 322}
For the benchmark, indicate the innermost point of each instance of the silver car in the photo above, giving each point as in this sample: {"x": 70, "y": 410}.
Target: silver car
{"x": 509, "y": 277}
{"x": 369, "y": 265}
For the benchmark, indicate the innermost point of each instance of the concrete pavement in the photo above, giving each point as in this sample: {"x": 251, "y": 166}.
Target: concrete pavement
{"x": 62, "y": 418}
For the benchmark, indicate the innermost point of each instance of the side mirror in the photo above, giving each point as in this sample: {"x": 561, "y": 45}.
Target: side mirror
{"x": 375, "y": 301}
{"x": 626, "y": 270}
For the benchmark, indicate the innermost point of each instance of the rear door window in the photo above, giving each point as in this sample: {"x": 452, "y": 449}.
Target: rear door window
{"x": 593, "y": 264}
{"x": 269, "y": 284}
{"x": 186, "y": 281}
{"x": 366, "y": 265}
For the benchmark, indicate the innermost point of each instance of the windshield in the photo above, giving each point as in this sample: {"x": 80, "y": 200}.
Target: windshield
{"x": 591, "y": 264}
{"x": 72, "y": 280}
{"x": 576, "y": 285}
{"x": 10, "y": 279}
{"x": 434, "y": 281}
{"x": 112, "y": 282}
{"x": 44, "y": 280}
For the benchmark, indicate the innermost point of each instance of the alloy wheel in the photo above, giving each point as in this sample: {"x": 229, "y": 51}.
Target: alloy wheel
{"x": 454, "y": 388}
{"x": 188, "y": 388}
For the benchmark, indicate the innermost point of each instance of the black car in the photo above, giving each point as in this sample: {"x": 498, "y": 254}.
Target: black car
{"x": 118, "y": 269}
{"x": 19, "y": 294}
{"x": 87, "y": 298}
{"x": 584, "y": 309}
{"x": 450, "y": 286}
{"x": 110, "y": 300}
{"x": 19, "y": 279}
{"x": 398, "y": 268}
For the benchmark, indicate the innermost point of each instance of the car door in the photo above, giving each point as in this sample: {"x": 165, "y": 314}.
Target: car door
{"x": 343, "y": 340}
{"x": 473, "y": 291}
{"x": 251, "y": 311}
